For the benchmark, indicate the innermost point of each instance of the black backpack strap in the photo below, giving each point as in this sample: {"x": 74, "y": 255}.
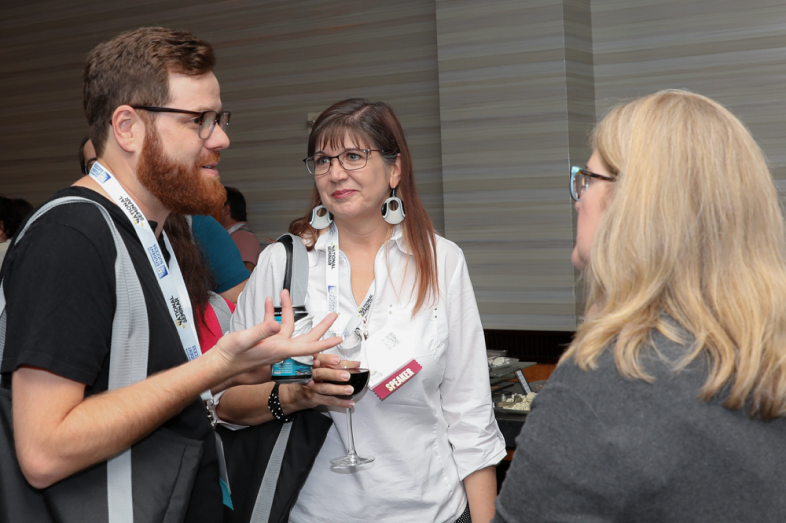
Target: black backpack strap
{"x": 296, "y": 274}
{"x": 287, "y": 241}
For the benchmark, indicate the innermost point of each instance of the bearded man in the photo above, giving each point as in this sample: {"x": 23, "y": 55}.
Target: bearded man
{"x": 156, "y": 120}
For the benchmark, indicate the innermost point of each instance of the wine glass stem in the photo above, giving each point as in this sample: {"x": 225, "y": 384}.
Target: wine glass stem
{"x": 350, "y": 435}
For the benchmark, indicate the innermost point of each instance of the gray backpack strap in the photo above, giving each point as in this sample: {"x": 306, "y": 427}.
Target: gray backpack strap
{"x": 264, "y": 501}
{"x": 127, "y": 365}
{"x": 222, "y": 310}
{"x": 3, "y": 322}
{"x": 128, "y": 356}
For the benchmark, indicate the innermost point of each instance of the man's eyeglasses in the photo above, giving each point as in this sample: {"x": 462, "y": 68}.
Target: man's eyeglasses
{"x": 206, "y": 120}
{"x": 581, "y": 179}
{"x": 351, "y": 160}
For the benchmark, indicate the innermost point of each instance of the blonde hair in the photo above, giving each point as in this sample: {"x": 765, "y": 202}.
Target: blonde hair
{"x": 693, "y": 231}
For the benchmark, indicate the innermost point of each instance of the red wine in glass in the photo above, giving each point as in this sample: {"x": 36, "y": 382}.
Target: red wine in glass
{"x": 358, "y": 378}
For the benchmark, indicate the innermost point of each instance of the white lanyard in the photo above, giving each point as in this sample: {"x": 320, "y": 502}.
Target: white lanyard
{"x": 352, "y": 327}
{"x": 170, "y": 279}
{"x": 391, "y": 368}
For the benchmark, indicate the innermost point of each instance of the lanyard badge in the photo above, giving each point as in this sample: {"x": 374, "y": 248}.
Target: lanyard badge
{"x": 173, "y": 287}
{"x": 170, "y": 279}
{"x": 393, "y": 363}
{"x": 353, "y": 333}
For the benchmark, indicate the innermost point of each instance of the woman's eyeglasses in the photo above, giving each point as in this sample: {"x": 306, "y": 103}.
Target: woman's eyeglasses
{"x": 581, "y": 179}
{"x": 351, "y": 160}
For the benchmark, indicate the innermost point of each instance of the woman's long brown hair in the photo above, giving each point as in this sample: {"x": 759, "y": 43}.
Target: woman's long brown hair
{"x": 192, "y": 264}
{"x": 375, "y": 124}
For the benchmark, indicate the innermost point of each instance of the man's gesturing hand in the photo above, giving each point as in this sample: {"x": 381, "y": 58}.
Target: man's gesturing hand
{"x": 268, "y": 342}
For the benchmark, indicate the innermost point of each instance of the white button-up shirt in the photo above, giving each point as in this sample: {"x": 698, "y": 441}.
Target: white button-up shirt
{"x": 431, "y": 433}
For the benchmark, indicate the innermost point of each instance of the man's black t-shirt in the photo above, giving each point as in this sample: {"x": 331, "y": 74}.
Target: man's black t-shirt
{"x": 59, "y": 284}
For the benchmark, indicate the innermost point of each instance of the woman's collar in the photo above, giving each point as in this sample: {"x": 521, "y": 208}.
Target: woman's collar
{"x": 396, "y": 236}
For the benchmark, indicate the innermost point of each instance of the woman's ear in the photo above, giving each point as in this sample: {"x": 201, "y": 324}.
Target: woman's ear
{"x": 395, "y": 172}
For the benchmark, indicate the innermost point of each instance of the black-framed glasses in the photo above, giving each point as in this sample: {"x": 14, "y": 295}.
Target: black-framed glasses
{"x": 89, "y": 165}
{"x": 206, "y": 120}
{"x": 581, "y": 179}
{"x": 351, "y": 160}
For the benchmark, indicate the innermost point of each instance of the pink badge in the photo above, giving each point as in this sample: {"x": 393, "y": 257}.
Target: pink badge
{"x": 392, "y": 383}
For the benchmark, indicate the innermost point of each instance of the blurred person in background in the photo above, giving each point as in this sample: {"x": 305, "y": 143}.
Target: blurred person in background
{"x": 222, "y": 256}
{"x": 669, "y": 405}
{"x": 198, "y": 279}
{"x": 13, "y": 212}
{"x": 87, "y": 155}
{"x": 233, "y": 218}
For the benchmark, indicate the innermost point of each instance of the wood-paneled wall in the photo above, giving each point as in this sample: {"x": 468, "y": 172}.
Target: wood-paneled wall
{"x": 496, "y": 97}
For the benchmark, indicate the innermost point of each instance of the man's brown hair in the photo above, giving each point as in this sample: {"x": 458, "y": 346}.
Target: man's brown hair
{"x": 133, "y": 68}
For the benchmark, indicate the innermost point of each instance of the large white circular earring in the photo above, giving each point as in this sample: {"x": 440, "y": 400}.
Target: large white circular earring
{"x": 393, "y": 209}
{"x": 320, "y": 217}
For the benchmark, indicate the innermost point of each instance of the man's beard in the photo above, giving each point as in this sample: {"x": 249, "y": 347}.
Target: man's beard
{"x": 179, "y": 186}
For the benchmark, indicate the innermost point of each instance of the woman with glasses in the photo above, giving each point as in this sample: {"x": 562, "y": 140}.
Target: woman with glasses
{"x": 408, "y": 313}
{"x": 669, "y": 405}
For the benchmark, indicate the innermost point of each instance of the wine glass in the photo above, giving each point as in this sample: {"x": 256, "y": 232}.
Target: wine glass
{"x": 358, "y": 379}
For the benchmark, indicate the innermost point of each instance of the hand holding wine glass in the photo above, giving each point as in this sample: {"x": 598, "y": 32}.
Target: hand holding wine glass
{"x": 358, "y": 379}
{"x": 329, "y": 385}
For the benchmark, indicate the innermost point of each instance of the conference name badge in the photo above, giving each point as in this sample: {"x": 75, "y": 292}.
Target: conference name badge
{"x": 399, "y": 377}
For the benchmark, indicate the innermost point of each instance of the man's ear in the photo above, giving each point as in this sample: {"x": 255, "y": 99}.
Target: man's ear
{"x": 128, "y": 129}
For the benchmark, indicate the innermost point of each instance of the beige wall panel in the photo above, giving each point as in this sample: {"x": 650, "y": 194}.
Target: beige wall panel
{"x": 733, "y": 52}
{"x": 505, "y": 156}
{"x": 497, "y": 98}
{"x": 580, "y": 94}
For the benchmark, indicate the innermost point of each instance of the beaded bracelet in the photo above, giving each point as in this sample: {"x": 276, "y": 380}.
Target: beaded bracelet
{"x": 274, "y": 404}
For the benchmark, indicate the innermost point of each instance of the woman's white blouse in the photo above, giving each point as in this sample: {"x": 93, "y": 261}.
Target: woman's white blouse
{"x": 435, "y": 429}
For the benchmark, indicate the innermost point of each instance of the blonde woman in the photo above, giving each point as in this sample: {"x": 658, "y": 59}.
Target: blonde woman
{"x": 669, "y": 404}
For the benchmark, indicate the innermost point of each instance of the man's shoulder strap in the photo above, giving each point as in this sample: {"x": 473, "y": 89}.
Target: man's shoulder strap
{"x": 130, "y": 331}
{"x": 128, "y": 353}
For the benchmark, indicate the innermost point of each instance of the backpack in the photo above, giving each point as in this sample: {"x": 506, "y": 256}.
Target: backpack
{"x": 163, "y": 462}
